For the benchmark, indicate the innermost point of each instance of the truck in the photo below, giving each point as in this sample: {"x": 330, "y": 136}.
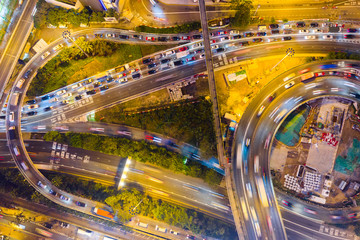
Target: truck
{"x": 160, "y": 229}
{"x": 182, "y": 54}
{"x": 102, "y": 213}
{"x": 307, "y": 76}
{"x": 14, "y": 99}
{"x": 334, "y": 29}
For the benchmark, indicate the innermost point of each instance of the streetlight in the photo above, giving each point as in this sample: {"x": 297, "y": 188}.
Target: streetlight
{"x": 256, "y": 10}
{"x": 289, "y": 52}
{"x": 67, "y": 35}
{"x": 132, "y": 211}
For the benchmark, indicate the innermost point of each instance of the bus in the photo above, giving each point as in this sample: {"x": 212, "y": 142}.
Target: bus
{"x": 43, "y": 232}
{"x": 261, "y": 192}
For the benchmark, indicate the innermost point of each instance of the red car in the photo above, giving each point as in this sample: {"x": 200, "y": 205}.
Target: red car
{"x": 148, "y": 137}
{"x": 185, "y": 37}
{"x": 190, "y": 59}
{"x": 319, "y": 74}
{"x": 304, "y": 70}
{"x": 352, "y": 215}
{"x": 150, "y": 38}
{"x": 183, "y": 49}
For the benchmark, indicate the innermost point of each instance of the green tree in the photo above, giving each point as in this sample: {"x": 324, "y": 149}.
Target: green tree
{"x": 54, "y": 136}
{"x": 74, "y": 18}
{"x": 97, "y": 17}
{"x": 85, "y": 45}
{"x": 242, "y": 16}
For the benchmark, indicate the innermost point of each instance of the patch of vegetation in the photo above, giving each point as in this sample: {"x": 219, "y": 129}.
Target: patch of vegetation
{"x": 138, "y": 150}
{"x": 48, "y": 14}
{"x": 11, "y": 181}
{"x": 190, "y": 122}
{"x": 242, "y": 16}
{"x": 185, "y": 28}
{"x": 70, "y": 65}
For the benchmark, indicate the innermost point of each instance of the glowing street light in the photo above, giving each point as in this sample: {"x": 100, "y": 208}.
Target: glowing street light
{"x": 67, "y": 35}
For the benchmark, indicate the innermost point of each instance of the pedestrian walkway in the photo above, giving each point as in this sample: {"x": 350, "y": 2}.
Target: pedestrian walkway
{"x": 190, "y": 2}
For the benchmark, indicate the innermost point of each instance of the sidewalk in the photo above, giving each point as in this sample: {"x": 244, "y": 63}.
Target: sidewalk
{"x": 190, "y": 2}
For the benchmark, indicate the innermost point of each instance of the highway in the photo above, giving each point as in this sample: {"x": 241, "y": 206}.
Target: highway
{"x": 99, "y": 102}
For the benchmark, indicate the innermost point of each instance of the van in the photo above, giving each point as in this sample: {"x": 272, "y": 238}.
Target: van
{"x": 144, "y": 225}
{"x": 157, "y": 228}
{"x": 11, "y": 116}
{"x": 170, "y": 53}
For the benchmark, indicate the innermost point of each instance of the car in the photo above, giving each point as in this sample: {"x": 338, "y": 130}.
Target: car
{"x": 173, "y": 232}
{"x": 88, "y": 81}
{"x": 137, "y": 75}
{"x": 336, "y": 217}
{"x": 40, "y": 184}
{"x": 57, "y": 47}
{"x": 110, "y": 35}
{"x": 175, "y": 38}
{"x": 97, "y": 84}
{"x": 303, "y": 31}
{"x": 91, "y": 92}
{"x": 97, "y": 35}
{"x": 61, "y": 92}
{"x": 162, "y": 39}
{"x": 103, "y": 88}
{"x": 152, "y": 65}
{"x": 62, "y": 197}
{"x": 76, "y": 85}
{"x": 80, "y": 204}
{"x": 52, "y": 192}
{"x": 310, "y": 37}
{"x": 48, "y": 225}
{"x": 183, "y": 49}
{"x": 191, "y": 59}
{"x": 310, "y": 211}
{"x": 290, "y": 84}
{"x": 150, "y": 39}
{"x": 197, "y": 37}
{"x": 44, "y": 98}
{"x": 190, "y": 237}
{"x": 273, "y": 26}
{"x": 152, "y": 71}
{"x": 300, "y": 24}
{"x": 64, "y": 225}
{"x": 185, "y": 37}
{"x": 136, "y": 36}
{"x": 67, "y": 95}
{"x": 45, "y": 55}
{"x": 305, "y": 70}
{"x": 287, "y": 38}
{"x": 165, "y": 61}
{"x": 32, "y": 113}
{"x": 27, "y": 74}
{"x": 178, "y": 63}
{"x": 349, "y": 36}
{"x": 146, "y": 60}
{"x": 48, "y": 108}
{"x": 261, "y": 110}
{"x": 248, "y": 34}
{"x": 256, "y": 40}
{"x": 224, "y": 38}
{"x": 235, "y": 37}
{"x": 318, "y": 74}
{"x": 275, "y": 31}
{"x": 327, "y": 37}
{"x": 287, "y": 31}
{"x": 316, "y": 31}
{"x": 214, "y": 46}
{"x": 247, "y": 142}
{"x": 220, "y": 50}
{"x": 352, "y": 215}
{"x": 351, "y": 30}
{"x": 31, "y": 101}
{"x": 109, "y": 79}
{"x": 219, "y": 33}
{"x": 271, "y": 97}
{"x": 286, "y": 203}
{"x": 234, "y": 32}
{"x": 261, "y": 34}
{"x": 124, "y": 36}
{"x": 78, "y": 97}
{"x": 314, "y": 24}
{"x": 65, "y": 102}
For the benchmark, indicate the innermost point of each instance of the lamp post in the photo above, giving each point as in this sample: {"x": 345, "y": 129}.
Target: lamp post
{"x": 67, "y": 35}
{"x": 289, "y": 52}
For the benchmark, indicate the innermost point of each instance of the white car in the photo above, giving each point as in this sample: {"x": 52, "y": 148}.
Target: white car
{"x": 62, "y": 197}
{"x": 261, "y": 110}
{"x": 234, "y": 32}
{"x": 290, "y": 84}
{"x": 327, "y": 37}
{"x": 57, "y": 47}
{"x": 67, "y": 95}
{"x": 61, "y": 92}
{"x": 173, "y": 232}
{"x": 76, "y": 85}
{"x": 303, "y": 31}
{"x": 310, "y": 37}
{"x": 45, "y": 55}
